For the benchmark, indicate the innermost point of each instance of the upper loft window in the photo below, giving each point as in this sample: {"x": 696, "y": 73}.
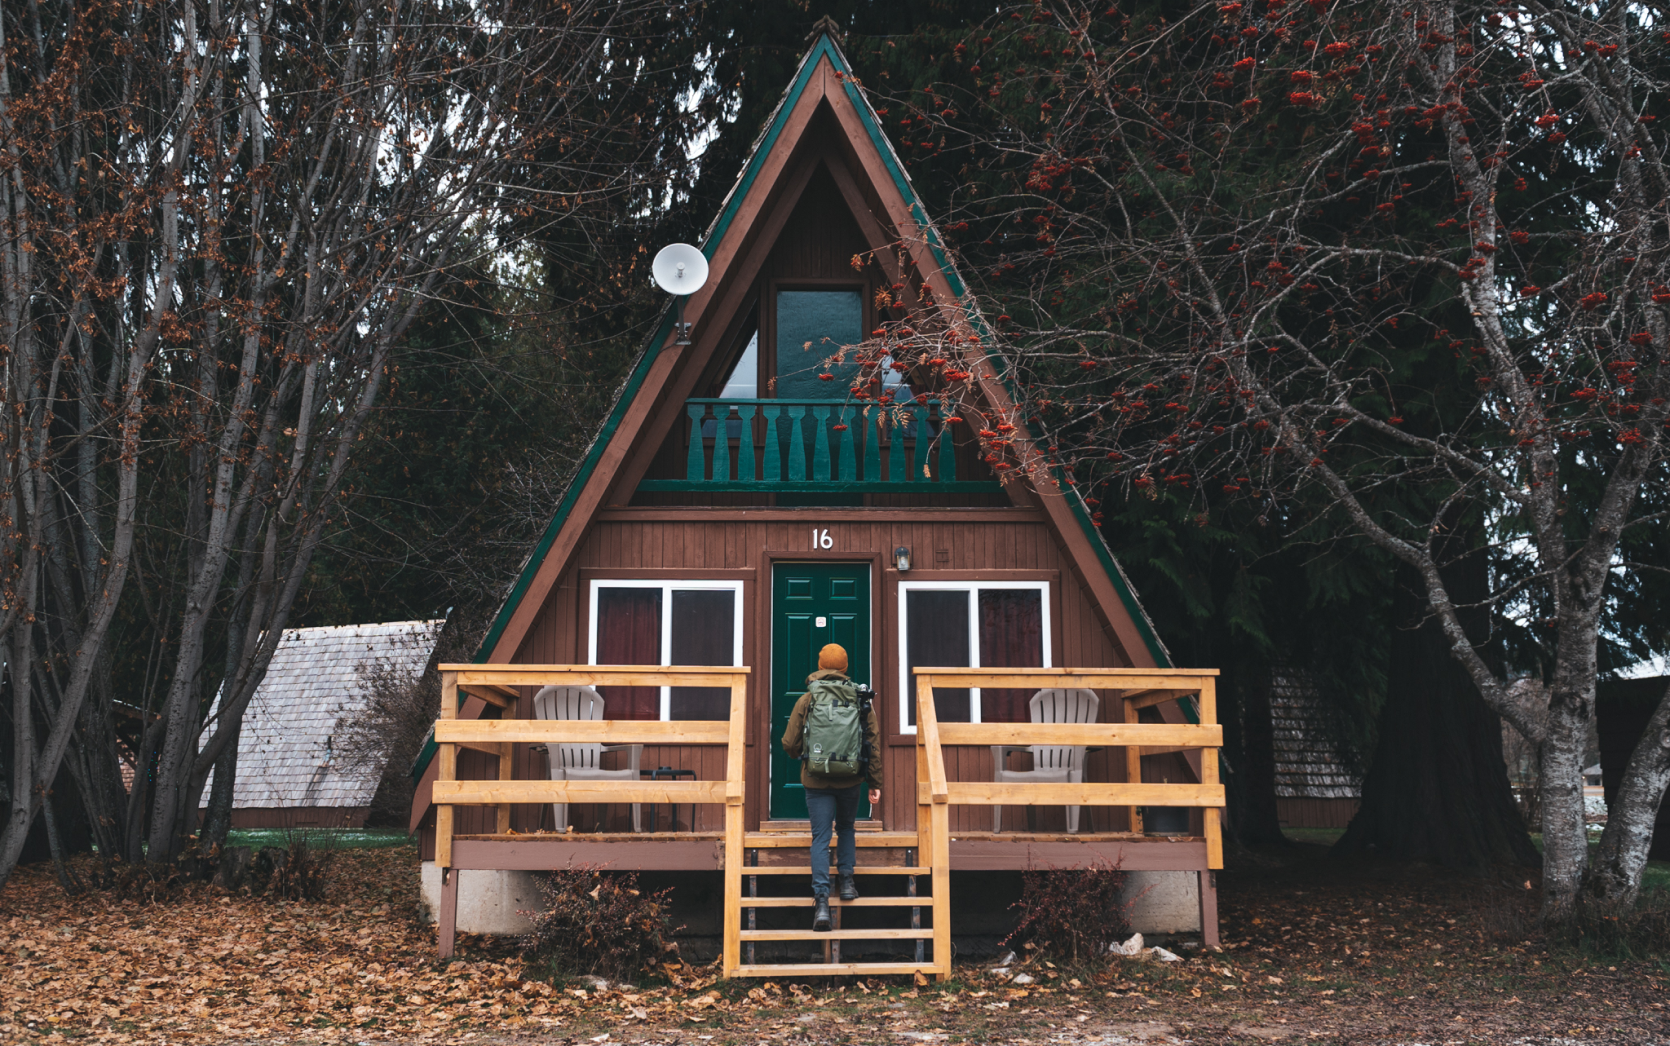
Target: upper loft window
{"x": 811, "y": 327}
{"x": 744, "y": 382}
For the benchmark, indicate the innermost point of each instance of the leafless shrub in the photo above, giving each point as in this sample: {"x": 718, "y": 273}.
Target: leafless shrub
{"x": 389, "y": 732}
{"x": 1072, "y": 913}
{"x": 597, "y": 922}
{"x": 295, "y": 872}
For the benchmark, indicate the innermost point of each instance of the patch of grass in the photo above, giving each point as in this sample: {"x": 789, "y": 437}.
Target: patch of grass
{"x": 1315, "y": 836}
{"x": 322, "y": 838}
{"x": 1656, "y": 877}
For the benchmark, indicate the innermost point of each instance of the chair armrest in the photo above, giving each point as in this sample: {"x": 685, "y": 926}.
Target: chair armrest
{"x": 1000, "y": 755}
{"x": 636, "y": 752}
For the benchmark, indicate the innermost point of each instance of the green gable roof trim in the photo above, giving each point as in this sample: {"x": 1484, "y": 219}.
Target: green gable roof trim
{"x": 825, "y": 47}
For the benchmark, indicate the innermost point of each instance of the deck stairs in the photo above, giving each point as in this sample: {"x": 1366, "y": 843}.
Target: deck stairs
{"x": 896, "y": 913}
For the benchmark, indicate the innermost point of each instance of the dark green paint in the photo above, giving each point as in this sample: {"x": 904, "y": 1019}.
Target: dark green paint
{"x": 801, "y": 593}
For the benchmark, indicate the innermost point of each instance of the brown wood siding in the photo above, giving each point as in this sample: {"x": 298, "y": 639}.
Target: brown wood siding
{"x": 1306, "y": 812}
{"x": 943, "y": 547}
{"x": 820, "y": 238}
{"x": 300, "y": 816}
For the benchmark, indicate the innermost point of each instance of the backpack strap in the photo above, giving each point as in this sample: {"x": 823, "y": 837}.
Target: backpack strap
{"x": 864, "y": 695}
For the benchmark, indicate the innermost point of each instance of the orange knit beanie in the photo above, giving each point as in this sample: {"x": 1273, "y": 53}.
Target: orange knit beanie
{"x": 833, "y": 656}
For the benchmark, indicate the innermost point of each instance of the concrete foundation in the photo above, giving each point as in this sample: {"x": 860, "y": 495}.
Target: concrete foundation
{"x": 1164, "y": 902}
{"x": 488, "y": 901}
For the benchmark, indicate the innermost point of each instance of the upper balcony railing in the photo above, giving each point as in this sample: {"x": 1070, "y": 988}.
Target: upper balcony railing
{"x": 818, "y": 446}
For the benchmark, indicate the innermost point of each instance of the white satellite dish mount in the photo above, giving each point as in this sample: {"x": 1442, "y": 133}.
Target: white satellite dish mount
{"x": 680, "y": 270}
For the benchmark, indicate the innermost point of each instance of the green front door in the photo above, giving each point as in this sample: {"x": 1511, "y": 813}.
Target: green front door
{"x": 811, "y": 604}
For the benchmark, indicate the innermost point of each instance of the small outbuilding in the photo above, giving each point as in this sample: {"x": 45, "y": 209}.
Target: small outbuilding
{"x": 1319, "y": 781}
{"x": 289, "y": 773}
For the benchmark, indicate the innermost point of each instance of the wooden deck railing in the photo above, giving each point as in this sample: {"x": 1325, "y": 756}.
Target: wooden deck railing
{"x": 1134, "y": 688}
{"x": 495, "y": 683}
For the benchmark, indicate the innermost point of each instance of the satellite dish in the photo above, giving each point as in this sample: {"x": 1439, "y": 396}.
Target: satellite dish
{"x": 679, "y": 269}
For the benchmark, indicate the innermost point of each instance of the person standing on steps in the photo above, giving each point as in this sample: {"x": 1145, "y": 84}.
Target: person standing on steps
{"x": 835, "y": 732}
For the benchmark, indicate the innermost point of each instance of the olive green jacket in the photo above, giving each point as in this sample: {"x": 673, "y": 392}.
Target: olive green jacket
{"x": 794, "y": 734}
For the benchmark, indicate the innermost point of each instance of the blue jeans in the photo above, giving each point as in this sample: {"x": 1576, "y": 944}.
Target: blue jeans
{"x": 832, "y": 808}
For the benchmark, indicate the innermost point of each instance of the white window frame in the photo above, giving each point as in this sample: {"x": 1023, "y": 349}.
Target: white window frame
{"x": 667, "y": 589}
{"x": 973, "y": 588}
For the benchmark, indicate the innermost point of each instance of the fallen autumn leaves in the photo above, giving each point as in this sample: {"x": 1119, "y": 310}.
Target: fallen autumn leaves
{"x": 207, "y": 966}
{"x": 360, "y": 967}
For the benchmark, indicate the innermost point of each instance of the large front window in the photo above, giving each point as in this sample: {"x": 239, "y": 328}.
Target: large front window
{"x": 970, "y": 624}
{"x": 666, "y": 623}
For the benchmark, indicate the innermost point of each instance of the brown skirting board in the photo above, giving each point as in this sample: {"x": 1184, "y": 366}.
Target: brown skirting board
{"x": 705, "y": 851}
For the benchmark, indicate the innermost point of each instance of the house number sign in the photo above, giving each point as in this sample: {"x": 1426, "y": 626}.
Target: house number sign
{"x": 821, "y": 539}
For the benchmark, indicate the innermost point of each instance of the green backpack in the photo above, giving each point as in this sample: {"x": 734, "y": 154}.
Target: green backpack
{"x": 836, "y": 718}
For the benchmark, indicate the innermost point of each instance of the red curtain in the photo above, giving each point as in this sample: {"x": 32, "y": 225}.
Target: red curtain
{"x": 629, "y": 633}
{"x": 1011, "y": 636}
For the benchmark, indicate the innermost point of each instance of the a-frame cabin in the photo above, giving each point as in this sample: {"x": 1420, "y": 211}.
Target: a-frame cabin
{"x": 736, "y": 513}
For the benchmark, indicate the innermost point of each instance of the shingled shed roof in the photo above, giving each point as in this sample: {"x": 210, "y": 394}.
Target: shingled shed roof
{"x": 1311, "y": 761}
{"x": 311, "y": 687}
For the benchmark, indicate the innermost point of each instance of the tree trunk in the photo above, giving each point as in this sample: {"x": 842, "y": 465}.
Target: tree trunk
{"x": 218, "y": 821}
{"x": 1614, "y": 878}
{"x": 1250, "y": 737}
{"x": 1437, "y": 791}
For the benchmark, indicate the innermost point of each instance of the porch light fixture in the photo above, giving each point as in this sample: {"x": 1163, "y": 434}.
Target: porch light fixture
{"x": 901, "y": 557}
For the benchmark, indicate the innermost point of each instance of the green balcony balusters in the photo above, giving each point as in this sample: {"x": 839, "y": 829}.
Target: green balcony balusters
{"x": 843, "y": 451}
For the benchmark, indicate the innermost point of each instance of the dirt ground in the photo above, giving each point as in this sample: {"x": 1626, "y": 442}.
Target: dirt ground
{"x": 1314, "y": 952}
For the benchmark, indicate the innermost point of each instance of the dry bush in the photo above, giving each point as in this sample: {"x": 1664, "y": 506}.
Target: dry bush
{"x": 1073, "y": 914}
{"x": 296, "y": 871}
{"x": 597, "y": 922}
{"x": 389, "y": 732}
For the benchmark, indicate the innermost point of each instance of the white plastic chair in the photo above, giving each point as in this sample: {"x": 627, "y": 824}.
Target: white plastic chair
{"x": 582, "y": 761}
{"x": 1051, "y": 764}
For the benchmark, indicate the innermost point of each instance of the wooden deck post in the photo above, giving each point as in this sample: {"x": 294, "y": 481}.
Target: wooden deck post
{"x": 1133, "y": 769}
{"x": 448, "y": 772}
{"x": 446, "y": 920}
{"x": 939, "y": 822}
{"x": 1208, "y": 700}
{"x": 1209, "y": 908}
{"x": 735, "y": 755}
{"x": 507, "y": 770}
